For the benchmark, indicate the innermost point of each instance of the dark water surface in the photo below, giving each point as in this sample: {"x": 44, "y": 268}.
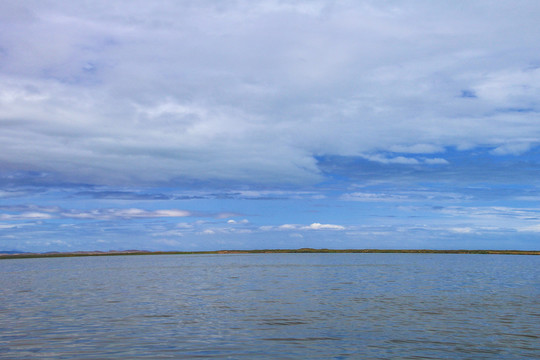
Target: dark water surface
{"x": 271, "y": 306}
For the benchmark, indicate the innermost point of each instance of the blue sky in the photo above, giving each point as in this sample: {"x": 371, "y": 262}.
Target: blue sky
{"x": 205, "y": 125}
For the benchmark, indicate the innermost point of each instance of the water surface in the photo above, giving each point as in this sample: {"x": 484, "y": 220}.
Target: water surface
{"x": 268, "y": 306}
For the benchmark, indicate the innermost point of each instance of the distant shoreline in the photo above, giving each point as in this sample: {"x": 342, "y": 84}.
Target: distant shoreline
{"x": 266, "y": 251}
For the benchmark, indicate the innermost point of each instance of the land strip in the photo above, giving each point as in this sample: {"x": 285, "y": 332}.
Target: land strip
{"x": 264, "y": 251}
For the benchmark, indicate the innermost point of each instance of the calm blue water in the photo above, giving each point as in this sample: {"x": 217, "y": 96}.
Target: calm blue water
{"x": 271, "y": 306}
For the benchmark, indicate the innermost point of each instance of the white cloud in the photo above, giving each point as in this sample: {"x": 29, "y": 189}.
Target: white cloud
{"x": 510, "y": 86}
{"x": 318, "y": 226}
{"x": 462, "y": 230}
{"x": 296, "y": 227}
{"x": 242, "y": 222}
{"x": 288, "y": 227}
{"x": 170, "y": 213}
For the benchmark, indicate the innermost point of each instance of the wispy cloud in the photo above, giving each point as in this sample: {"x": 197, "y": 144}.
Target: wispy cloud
{"x": 15, "y": 226}
{"x": 513, "y": 148}
{"x": 494, "y": 212}
{"x": 393, "y": 160}
{"x": 26, "y": 216}
{"x": 11, "y": 193}
{"x": 133, "y": 213}
{"x": 297, "y": 227}
{"x": 363, "y": 196}
{"x": 96, "y": 214}
{"x": 531, "y": 228}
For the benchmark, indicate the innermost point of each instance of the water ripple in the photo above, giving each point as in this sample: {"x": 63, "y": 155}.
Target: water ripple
{"x": 286, "y": 306}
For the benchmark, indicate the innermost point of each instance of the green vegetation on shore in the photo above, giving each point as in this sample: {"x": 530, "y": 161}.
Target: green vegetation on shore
{"x": 266, "y": 251}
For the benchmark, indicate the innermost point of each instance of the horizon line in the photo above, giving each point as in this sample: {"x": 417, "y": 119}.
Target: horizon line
{"x": 22, "y": 255}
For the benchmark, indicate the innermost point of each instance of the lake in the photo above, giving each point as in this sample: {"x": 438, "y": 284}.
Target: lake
{"x": 271, "y": 306}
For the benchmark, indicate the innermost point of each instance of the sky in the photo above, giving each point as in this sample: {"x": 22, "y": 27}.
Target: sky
{"x": 230, "y": 124}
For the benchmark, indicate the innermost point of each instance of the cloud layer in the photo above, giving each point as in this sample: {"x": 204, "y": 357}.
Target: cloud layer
{"x": 183, "y": 92}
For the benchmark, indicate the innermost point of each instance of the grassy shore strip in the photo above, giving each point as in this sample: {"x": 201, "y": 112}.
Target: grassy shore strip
{"x": 266, "y": 251}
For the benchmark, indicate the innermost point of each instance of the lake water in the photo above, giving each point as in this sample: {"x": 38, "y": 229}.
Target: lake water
{"x": 271, "y": 306}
